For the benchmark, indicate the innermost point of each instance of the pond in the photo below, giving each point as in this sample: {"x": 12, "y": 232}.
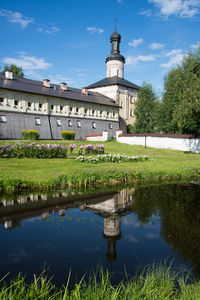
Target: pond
{"x": 122, "y": 230}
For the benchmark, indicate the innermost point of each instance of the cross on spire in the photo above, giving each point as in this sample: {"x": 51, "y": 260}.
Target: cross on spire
{"x": 115, "y": 20}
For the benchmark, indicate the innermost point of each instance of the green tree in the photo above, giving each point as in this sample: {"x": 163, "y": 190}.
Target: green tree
{"x": 180, "y": 109}
{"x": 145, "y": 110}
{"x": 17, "y": 71}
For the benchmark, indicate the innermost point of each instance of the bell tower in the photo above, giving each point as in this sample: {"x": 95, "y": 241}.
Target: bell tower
{"x": 115, "y": 61}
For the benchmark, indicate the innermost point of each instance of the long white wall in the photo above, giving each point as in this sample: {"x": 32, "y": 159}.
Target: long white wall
{"x": 183, "y": 144}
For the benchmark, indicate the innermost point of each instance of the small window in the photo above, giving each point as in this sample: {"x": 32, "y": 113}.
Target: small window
{"x": 3, "y": 119}
{"x": 37, "y": 121}
{"x": 110, "y": 126}
{"x": 132, "y": 99}
{"x": 78, "y": 124}
{"x": 40, "y": 105}
{"x": 94, "y": 125}
{"x": 1, "y": 100}
{"x": 61, "y": 108}
{"x": 93, "y": 111}
{"x": 58, "y": 122}
{"x": 15, "y": 102}
{"x": 77, "y": 110}
{"x": 70, "y": 109}
{"x": 101, "y": 113}
{"x": 86, "y": 111}
{"x": 29, "y": 104}
{"x": 52, "y": 107}
{"x": 70, "y": 123}
{"x": 132, "y": 112}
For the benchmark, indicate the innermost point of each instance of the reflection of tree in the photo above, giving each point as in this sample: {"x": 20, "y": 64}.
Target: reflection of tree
{"x": 179, "y": 209}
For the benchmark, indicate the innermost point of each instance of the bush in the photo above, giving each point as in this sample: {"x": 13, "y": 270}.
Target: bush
{"x": 33, "y": 151}
{"x": 30, "y": 134}
{"x": 68, "y": 135}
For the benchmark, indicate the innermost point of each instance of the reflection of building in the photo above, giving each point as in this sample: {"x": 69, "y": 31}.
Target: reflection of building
{"x": 112, "y": 210}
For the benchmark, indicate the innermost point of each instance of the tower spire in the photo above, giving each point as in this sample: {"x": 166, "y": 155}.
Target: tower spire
{"x": 115, "y": 61}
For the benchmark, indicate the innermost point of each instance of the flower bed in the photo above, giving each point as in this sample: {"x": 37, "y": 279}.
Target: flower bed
{"x": 115, "y": 158}
{"x": 91, "y": 149}
{"x": 33, "y": 151}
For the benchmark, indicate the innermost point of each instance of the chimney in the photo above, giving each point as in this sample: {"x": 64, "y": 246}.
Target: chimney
{"x": 9, "y": 75}
{"x": 46, "y": 83}
{"x": 63, "y": 86}
{"x": 84, "y": 91}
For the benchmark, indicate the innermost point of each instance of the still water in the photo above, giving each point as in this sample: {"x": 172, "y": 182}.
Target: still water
{"x": 120, "y": 230}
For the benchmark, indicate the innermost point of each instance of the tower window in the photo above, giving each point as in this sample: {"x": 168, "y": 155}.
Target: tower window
{"x": 70, "y": 123}
{"x": 1, "y": 100}
{"x": 15, "y": 102}
{"x": 94, "y": 125}
{"x": 132, "y": 99}
{"x": 52, "y": 107}
{"x": 110, "y": 126}
{"x": 40, "y": 105}
{"x": 29, "y": 104}
{"x": 61, "y": 108}
{"x": 132, "y": 112}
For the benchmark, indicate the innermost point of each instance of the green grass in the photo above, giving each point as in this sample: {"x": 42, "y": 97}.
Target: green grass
{"x": 154, "y": 283}
{"x": 56, "y": 173}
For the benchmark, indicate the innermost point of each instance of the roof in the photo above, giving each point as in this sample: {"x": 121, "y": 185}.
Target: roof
{"x": 112, "y": 81}
{"x": 36, "y": 87}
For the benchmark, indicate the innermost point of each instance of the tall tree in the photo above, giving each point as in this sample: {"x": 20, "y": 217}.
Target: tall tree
{"x": 17, "y": 71}
{"x": 145, "y": 110}
{"x": 180, "y": 110}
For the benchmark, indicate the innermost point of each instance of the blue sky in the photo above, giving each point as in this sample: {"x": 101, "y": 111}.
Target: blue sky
{"x": 68, "y": 40}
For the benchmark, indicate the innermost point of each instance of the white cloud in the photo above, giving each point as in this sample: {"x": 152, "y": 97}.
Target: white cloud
{"x": 16, "y": 17}
{"x": 146, "y": 12}
{"x": 135, "y": 42}
{"x": 120, "y": 2}
{"x": 195, "y": 46}
{"x": 155, "y": 46}
{"x": 175, "y": 57}
{"x": 181, "y": 8}
{"x": 173, "y": 52}
{"x": 28, "y": 62}
{"x": 50, "y": 30}
{"x": 95, "y": 30}
{"x": 134, "y": 60}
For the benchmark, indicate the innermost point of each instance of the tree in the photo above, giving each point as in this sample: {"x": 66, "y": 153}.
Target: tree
{"x": 145, "y": 110}
{"x": 181, "y": 101}
{"x": 17, "y": 71}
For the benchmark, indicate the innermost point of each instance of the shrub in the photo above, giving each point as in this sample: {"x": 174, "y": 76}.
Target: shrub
{"x": 91, "y": 149}
{"x": 30, "y": 134}
{"x": 33, "y": 151}
{"x": 114, "y": 158}
{"x": 68, "y": 135}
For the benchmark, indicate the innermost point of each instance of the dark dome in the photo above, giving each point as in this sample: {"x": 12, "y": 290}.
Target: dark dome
{"x": 115, "y": 36}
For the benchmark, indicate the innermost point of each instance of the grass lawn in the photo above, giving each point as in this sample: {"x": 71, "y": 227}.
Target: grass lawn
{"x": 163, "y": 164}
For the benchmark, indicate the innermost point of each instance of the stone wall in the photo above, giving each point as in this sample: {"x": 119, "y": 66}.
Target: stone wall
{"x": 162, "y": 141}
{"x": 49, "y": 129}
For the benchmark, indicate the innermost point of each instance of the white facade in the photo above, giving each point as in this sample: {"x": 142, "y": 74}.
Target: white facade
{"x": 115, "y": 68}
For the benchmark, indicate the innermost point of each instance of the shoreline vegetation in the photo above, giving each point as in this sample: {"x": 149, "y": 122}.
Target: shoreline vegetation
{"x": 154, "y": 282}
{"x": 18, "y": 174}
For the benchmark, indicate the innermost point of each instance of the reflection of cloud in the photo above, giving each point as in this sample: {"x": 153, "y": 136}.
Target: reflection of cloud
{"x": 131, "y": 238}
{"x": 17, "y": 257}
{"x": 91, "y": 249}
{"x": 151, "y": 235}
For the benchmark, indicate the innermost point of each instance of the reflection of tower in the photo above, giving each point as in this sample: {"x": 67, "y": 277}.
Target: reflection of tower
{"x": 112, "y": 234}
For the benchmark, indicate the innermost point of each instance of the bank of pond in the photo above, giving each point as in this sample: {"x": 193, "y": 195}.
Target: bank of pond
{"x": 138, "y": 242}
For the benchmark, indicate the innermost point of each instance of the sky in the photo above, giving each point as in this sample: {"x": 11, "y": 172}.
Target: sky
{"x": 68, "y": 40}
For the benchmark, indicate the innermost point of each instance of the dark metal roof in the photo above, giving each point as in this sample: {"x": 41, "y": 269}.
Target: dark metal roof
{"x": 112, "y": 81}
{"x": 36, "y": 87}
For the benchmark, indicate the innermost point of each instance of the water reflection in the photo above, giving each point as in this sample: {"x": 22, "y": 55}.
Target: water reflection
{"x": 115, "y": 228}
